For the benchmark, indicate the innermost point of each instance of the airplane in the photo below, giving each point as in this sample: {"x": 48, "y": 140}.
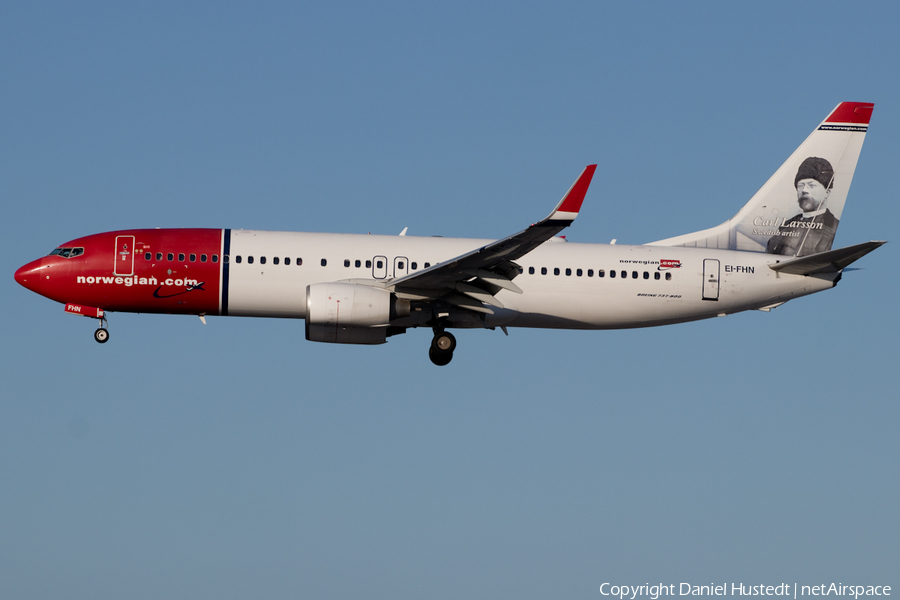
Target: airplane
{"x": 363, "y": 289}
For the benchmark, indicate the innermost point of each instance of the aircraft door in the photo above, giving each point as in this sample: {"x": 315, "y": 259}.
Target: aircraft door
{"x": 379, "y": 267}
{"x": 710, "y": 279}
{"x": 124, "y": 264}
{"x": 401, "y": 266}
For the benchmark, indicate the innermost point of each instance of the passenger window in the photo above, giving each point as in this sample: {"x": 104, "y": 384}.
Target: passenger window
{"x": 427, "y": 265}
{"x": 357, "y": 264}
{"x": 556, "y": 270}
{"x": 170, "y": 256}
{"x": 181, "y": 257}
{"x": 249, "y": 260}
{"x": 590, "y": 272}
{"x": 262, "y": 260}
{"x": 287, "y": 260}
{"x": 531, "y": 270}
{"x": 578, "y": 272}
{"x": 216, "y": 258}
{"x": 148, "y": 255}
{"x": 299, "y": 261}
{"x": 368, "y": 264}
{"x": 159, "y": 256}
{"x": 275, "y": 260}
{"x": 237, "y": 259}
{"x": 656, "y": 275}
{"x": 634, "y": 274}
{"x": 646, "y": 275}
{"x": 568, "y": 272}
{"x": 413, "y": 266}
{"x": 400, "y": 265}
{"x": 346, "y": 262}
{"x": 379, "y": 264}
{"x": 193, "y": 258}
{"x": 324, "y": 262}
{"x": 202, "y": 258}
{"x": 668, "y": 276}
{"x": 543, "y": 270}
{"x": 601, "y": 273}
{"x": 611, "y": 274}
{"x": 624, "y": 274}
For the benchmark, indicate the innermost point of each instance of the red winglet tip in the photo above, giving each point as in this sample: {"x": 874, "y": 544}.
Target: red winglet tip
{"x": 852, "y": 112}
{"x": 575, "y": 197}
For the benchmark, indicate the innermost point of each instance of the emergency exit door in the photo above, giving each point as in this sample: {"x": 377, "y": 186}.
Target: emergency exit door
{"x": 710, "y": 279}
{"x": 401, "y": 266}
{"x": 379, "y": 267}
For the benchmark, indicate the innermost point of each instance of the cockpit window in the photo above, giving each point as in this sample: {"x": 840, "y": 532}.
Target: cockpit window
{"x": 67, "y": 252}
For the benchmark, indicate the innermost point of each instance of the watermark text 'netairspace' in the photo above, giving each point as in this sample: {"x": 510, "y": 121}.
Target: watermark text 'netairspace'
{"x": 654, "y": 592}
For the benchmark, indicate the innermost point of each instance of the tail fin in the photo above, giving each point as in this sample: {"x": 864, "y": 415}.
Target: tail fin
{"x": 796, "y": 213}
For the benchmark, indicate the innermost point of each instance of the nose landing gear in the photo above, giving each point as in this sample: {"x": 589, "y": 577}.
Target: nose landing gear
{"x": 442, "y": 347}
{"x": 101, "y": 335}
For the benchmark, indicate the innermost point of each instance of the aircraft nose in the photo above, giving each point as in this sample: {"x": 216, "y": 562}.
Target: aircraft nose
{"x": 29, "y": 276}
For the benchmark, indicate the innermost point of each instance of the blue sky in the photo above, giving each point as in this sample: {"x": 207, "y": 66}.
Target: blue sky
{"x": 238, "y": 459}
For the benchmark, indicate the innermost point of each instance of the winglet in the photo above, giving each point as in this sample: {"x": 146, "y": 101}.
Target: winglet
{"x": 568, "y": 207}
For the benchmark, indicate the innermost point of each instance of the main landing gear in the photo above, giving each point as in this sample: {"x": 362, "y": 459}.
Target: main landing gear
{"x": 442, "y": 347}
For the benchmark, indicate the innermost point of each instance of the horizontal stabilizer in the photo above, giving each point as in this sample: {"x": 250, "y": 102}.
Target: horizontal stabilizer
{"x": 825, "y": 262}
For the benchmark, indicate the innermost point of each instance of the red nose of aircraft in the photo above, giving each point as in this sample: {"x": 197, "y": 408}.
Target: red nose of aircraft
{"x": 29, "y": 276}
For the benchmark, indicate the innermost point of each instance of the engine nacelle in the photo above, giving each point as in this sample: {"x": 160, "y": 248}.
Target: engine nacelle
{"x": 350, "y": 313}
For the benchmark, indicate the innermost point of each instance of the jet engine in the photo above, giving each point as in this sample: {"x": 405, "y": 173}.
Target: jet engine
{"x": 351, "y": 313}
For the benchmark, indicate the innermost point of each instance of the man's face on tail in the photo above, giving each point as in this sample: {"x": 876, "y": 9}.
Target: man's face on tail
{"x": 810, "y": 194}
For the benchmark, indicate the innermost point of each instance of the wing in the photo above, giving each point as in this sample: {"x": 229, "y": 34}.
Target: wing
{"x": 471, "y": 280}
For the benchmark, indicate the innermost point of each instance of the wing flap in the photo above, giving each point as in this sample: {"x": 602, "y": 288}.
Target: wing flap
{"x": 495, "y": 279}
{"x": 463, "y": 301}
{"x": 479, "y": 294}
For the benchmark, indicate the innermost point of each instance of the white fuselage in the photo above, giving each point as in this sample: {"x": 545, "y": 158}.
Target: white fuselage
{"x": 661, "y": 285}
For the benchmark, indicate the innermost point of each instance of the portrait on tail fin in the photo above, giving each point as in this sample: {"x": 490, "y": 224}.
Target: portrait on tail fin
{"x": 812, "y": 231}
{"x": 817, "y": 176}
